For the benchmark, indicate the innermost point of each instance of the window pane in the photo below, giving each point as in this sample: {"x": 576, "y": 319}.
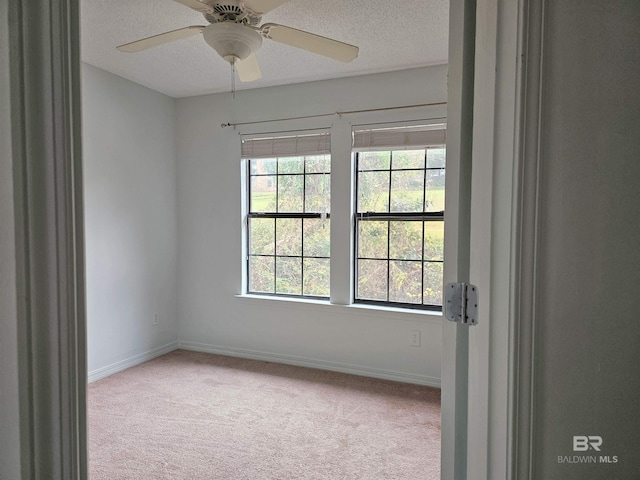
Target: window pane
{"x": 290, "y": 193}
{"x": 435, "y": 191}
{"x": 317, "y": 193}
{"x": 261, "y": 274}
{"x": 373, "y": 192}
{"x": 405, "y": 282}
{"x": 407, "y": 191}
{"x": 408, "y": 159}
{"x": 317, "y": 237}
{"x": 374, "y": 160}
{"x": 318, "y": 164}
{"x": 372, "y": 280}
{"x": 397, "y": 254}
{"x": 432, "y": 283}
{"x": 436, "y": 158}
{"x": 405, "y": 240}
{"x": 291, "y": 165}
{"x": 262, "y": 235}
{"x": 280, "y": 249}
{"x": 289, "y": 236}
{"x": 263, "y": 166}
{"x": 372, "y": 239}
{"x": 263, "y": 194}
{"x": 289, "y": 275}
{"x": 316, "y": 277}
{"x": 434, "y": 240}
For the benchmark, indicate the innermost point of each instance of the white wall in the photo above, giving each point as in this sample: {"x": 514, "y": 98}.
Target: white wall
{"x": 588, "y": 330}
{"x": 130, "y": 137}
{"x": 9, "y": 401}
{"x": 212, "y": 316}
{"x": 130, "y": 220}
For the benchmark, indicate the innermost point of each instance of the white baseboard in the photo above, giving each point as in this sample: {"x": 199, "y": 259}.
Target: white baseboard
{"x": 131, "y": 362}
{"x": 312, "y": 363}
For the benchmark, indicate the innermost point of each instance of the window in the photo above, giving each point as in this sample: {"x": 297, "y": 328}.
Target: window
{"x": 288, "y": 229}
{"x": 399, "y": 216}
{"x": 396, "y": 196}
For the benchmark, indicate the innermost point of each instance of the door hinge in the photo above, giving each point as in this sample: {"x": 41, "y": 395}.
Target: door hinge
{"x": 461, "y": 303}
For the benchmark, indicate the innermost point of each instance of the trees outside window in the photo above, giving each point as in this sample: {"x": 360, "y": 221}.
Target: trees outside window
{"x": 288, "y": 225}
{"x": 400, "y": 227}
{"x": 398, "y": 184}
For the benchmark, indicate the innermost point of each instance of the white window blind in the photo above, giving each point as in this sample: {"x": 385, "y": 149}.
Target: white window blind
{"x": 399, "y": 138}
{"x": 287, "y": 145}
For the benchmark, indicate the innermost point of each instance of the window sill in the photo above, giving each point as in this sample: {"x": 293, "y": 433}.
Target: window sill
{"x": 274, "y": 298}
{"x": 408, "y": 314}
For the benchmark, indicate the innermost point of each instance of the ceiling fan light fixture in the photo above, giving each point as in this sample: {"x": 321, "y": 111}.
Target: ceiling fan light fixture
{"x": 233, "y": 41}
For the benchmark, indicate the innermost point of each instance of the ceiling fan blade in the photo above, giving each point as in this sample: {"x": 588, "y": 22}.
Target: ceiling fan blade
{"x": 196, "y": 5}
{"x": 156, "y": 40}
{"x": 248, "y": 69}
{"x": 310, "y": 42}
{"x": 263, "y": 6}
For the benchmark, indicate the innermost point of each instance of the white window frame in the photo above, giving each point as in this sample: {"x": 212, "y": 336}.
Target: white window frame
{"x": 342, "y": 195}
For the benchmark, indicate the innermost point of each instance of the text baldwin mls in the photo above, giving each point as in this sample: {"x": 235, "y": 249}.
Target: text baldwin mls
{"x": 583, "y": 443}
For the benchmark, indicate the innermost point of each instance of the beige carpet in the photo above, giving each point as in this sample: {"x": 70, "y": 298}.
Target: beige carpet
{"x": 190, "y": 415}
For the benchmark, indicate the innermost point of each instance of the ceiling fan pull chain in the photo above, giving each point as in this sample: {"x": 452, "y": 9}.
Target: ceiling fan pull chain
{"x": 233, "y": 78}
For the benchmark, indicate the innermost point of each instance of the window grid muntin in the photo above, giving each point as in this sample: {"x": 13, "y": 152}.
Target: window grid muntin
{"x": 390, "y": 216}
{"x": 276, "y": 215}
{"x": 388, "y": 259}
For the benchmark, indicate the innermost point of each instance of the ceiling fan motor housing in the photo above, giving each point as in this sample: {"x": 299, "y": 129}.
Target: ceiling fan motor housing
{"x": 232, "y": 41}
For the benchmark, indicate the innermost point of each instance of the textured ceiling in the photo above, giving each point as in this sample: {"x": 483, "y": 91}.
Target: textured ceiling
{"x": 391, "y": 34}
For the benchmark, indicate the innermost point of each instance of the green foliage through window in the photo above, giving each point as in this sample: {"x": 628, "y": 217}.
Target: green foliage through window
{"x": 288, "y": 225}
{"x": 400, "y": 227}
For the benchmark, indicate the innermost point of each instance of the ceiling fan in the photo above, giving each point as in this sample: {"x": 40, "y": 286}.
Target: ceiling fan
{"x": 234, "y": 33}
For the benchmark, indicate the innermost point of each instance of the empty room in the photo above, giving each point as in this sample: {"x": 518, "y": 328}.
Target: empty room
{"x": 288, "y": 212}
{"x": 288, "y": 239}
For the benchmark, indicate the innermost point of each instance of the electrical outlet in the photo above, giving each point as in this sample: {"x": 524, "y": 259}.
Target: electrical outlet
{"x": 156, "y": 320}
{"x": 414, "y": 338}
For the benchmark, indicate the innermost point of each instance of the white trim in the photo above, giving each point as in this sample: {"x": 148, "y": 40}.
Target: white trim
{"x": 46, "y": 148}
{"x": 121, "y": 365}
{"x": 342, "y": 204}
{"x": 494, "y": 256}
{"x": 482, "y": 257}
{"x": 10, "y": 466}
{"x": 312, "y": 363}
{"x": 527, "y": 165}
{"x": 456, "y": 266}
{"x": 356, "y": 309}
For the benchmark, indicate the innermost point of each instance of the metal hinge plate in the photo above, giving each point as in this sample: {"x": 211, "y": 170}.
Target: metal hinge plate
{"x": 461, "y": 303}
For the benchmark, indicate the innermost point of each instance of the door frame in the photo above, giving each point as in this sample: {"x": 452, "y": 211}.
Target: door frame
{"x": 498, "y": 260}
{"x": 496, "y": 370}
{"x": 455, "y": 338}
{"x": 44, "y": 70}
